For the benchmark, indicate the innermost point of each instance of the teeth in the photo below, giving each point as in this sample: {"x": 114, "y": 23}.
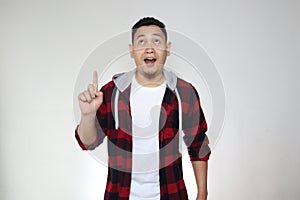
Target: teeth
{"x": 150, "y": 59}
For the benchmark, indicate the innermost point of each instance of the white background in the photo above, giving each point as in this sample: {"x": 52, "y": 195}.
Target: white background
{"x": 254, "y": 44}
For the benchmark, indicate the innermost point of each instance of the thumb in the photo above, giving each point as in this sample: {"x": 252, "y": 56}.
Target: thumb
{"x": 99, "y": 97}
{"x": 99, "y": 94}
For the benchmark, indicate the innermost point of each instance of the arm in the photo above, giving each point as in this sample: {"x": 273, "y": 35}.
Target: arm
{"x": 87, "y": 130}
{"x": 89, "y": 102}
{"x": 195, "y": 138}
{"x": 200, "y": 171}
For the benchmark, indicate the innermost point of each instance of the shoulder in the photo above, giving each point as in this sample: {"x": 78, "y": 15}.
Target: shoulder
{"x": 111, "y": 84}
{"x": 108, "y": 86}
{"x": 187, "y": 91}
{"x": 184, "y": 85}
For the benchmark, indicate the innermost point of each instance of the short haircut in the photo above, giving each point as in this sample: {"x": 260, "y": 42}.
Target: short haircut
{"x": 148, "y": 21}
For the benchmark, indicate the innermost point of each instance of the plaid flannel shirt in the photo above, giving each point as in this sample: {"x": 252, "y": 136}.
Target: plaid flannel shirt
{"x": 119, "y": 141}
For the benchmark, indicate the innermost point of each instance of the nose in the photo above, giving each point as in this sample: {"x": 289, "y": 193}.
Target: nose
{"x": 149, "y": 50}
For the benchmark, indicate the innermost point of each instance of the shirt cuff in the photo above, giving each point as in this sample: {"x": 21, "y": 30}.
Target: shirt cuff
{"x": 83, "y": 146}
{"x": 199, "y": 154}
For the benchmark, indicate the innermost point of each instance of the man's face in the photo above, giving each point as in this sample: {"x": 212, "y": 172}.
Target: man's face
{"x": 149, "y": 50}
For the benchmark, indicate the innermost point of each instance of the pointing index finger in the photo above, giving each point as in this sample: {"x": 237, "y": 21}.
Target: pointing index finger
{"x": 95, "y": 79}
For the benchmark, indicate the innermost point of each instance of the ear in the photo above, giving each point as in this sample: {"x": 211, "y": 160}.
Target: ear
{"x": 131, "y": 50}
{"x": 168, "y": 48}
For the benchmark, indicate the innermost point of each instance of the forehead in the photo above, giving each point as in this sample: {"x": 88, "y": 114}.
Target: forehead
{"x": 148, "y": 31}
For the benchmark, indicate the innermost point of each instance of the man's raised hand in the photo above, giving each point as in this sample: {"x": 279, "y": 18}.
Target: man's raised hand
{"x": 90, "y": 99}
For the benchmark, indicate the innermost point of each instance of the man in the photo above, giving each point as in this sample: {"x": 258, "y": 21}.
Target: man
{"x": 143, "y": 113}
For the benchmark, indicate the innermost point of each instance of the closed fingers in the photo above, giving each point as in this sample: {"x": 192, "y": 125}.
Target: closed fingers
{"x": 92, "y": 90}
{"x": 81, "y": 97}
{"x": 87, "y": 96}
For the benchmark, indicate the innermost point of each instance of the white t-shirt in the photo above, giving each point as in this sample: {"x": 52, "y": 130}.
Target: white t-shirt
{"x": 145, "y": 104}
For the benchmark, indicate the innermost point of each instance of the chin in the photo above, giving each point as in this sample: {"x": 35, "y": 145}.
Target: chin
{"x": 152, "y": 69}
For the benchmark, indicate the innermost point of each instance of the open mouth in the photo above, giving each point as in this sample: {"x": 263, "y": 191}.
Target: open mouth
{"x": 149, "y": 61}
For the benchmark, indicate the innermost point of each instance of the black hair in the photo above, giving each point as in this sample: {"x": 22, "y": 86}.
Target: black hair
{"x": 148, "y": 21}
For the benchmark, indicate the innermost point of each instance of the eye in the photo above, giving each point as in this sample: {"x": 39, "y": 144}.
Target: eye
{"x": 141, "y": 42}
{"x": 156, "y": 41}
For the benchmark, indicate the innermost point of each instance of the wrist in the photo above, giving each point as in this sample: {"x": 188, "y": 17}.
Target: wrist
{"x": 88, "y": 117}
{"x": 202, "y": 194}
{"x": 87, "y": 120}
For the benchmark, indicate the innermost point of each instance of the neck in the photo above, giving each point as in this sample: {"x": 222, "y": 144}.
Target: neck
{"x": 150, "y": 81}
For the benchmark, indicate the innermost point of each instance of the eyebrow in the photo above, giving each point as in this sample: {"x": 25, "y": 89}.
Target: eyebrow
{"x": 157, "y": 34}
{"x": 141, "y": 35}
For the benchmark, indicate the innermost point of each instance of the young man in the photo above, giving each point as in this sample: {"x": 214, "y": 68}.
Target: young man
{"x": 143, "y": 113}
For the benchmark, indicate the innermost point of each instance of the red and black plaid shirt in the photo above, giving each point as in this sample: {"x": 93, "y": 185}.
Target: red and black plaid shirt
{"x": 172, "y": 186}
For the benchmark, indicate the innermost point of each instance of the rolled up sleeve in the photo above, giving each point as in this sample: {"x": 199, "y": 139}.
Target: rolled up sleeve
{"x": 195, "y": 127}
